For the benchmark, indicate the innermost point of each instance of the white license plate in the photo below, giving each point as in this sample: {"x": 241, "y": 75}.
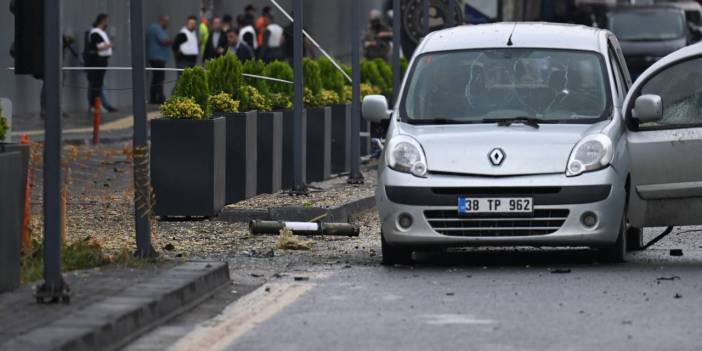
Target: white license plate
{"x": 473, "y": 205}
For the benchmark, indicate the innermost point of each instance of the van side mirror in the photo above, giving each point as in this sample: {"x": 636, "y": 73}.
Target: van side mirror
{"x": 648, "y": 108}
{"x": 375, "y": 108}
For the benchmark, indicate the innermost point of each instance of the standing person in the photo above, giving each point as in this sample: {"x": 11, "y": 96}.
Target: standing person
{"x": 216, "y": 44}
{"x": 227, "y": 23}
{"x": 250, "y": 12}
{"x": 239, "y": 47}
{"x": 261, "y": 23}
{"x": 157, "y": 52}
{"x": 377, "y": 38}
{"x": 98, "y": 53}
{"x": 273, "y": 40}
{"x": 185, "y": 47}
{"x": 247, "y": 32}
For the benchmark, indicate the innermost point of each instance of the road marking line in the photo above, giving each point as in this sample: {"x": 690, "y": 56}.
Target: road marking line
{"x": 241, "y": 316}
{"x": 449, "y": 319}
{"x": 119, "y": 124}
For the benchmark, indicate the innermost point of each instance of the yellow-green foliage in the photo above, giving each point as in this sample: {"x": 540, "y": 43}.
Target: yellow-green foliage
{"x": 366, "y": 89}
{"x": 328, "y": 97}
{"x": 258, "y": 101}
{"x": 223, "y": 102}
{"x": 182, "y": 108}
{"x": 193, "y": 83}
{"x": 280, "y": 101}
{"x": 3, "y": 125}
{"x": 310, "y": 99}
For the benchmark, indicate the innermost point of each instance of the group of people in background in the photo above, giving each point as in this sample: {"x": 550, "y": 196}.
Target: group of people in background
{"x": 251, "y": 36}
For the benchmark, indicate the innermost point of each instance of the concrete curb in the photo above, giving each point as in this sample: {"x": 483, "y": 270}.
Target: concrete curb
{"x": 303, "y": 214}
{"x": 113, "y": 322}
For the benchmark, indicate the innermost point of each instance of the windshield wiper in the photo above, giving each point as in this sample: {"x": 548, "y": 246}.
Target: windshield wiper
{"x": 506, "y": 122}
{"x": 438, "y": 121}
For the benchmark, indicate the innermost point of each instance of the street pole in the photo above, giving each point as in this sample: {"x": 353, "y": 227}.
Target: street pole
{"x": 425, "y": 18}
{"x": 299, "y": 187}
{"x": 450, "y": 14}
{"x": 142, "y": 188}
{"x": 356, "y": 177}
{"x": 54, "y": 287}
{"x": 396, "y": 35}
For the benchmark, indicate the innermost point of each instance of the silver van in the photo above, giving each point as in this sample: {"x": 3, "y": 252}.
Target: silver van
{"x": 531, "y": 134}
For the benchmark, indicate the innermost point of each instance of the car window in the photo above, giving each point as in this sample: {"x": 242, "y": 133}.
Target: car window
{"x": 647, "y": 24}
{"x": 470, "y": 86}
{"x": 680, "y": 88}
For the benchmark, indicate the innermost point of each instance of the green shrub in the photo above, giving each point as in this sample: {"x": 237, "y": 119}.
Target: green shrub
{"x": 313, "y": 76}
{"x": 258, "y": 101}
{"x": 279, "y": 70}
{"x": 3, "y": 125}
{"x": 373, "y": 72}
{"x": 80, "y": 254}
{"x": 225, "y": 74}
{"x": 280, "y": 101}
{"x": 332, "y": 78}
{"x": 366, "y": 89}
{"x": 256, "y": 67}
{"x": 349, "y": 72}
{"x": 329, "y": 97}
{"x": 182, "y": 108}
{"x": 403, "y": 65}
{"x": 310, "y": 99}
{"x": 385, "y": 71}
{"x": 223, "y": 102}
{"x": 193, "y": 83}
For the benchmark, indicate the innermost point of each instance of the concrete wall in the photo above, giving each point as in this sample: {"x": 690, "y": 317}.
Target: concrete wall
{"x": 77, "y": 16}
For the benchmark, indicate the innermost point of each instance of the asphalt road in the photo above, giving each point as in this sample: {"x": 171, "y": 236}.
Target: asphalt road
{"x": 526, "y": 299}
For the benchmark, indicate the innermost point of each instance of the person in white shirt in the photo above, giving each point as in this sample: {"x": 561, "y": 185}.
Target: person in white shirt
{"x": 98, "y": 53}
{"x": 273, "y": 41}
{"x": 186, "y": 47}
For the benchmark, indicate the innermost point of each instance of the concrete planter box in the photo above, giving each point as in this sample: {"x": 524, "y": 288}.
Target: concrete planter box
{"x": 287, "y": 176}
{"x": 188, "y": 166}
{"x": 341, "y": 138}
{"x": 241, "y": 155}
{"x": 318, "y": 144}
{"x": 270, "y": 152}
{"x": 14, "y": 162}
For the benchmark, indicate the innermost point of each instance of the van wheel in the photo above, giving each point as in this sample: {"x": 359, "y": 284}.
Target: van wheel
{"x": 616, "y": 253}
{"x": 393, "y": 255}
{"x": 634, "y": 239}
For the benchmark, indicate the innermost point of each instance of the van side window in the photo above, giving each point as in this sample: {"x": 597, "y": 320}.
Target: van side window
{"x": 680, "y": 88}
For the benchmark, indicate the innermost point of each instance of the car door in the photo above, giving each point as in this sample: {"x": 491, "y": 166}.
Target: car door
{"x": 666, "y": 152}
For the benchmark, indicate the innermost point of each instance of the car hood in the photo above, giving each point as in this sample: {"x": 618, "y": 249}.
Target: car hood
{"x": 653, "y": 49}
{"x": 465, "y": 149}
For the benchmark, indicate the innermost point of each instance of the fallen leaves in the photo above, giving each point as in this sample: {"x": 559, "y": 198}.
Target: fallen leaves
{"x": 287, "y": 241}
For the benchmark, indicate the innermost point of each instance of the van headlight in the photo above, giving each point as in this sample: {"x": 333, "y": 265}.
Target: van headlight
{"x": 404, "y": 154}
{"x": 592, "y": 153}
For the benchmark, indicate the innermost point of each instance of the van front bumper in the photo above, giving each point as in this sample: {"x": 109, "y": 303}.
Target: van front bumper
{"x": 560, "y": 203}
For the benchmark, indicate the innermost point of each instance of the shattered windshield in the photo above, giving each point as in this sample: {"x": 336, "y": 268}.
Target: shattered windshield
{"x": 557, "y": 86}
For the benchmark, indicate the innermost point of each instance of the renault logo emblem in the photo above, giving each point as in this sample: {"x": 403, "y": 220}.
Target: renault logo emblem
{"x": 496, "y": 156}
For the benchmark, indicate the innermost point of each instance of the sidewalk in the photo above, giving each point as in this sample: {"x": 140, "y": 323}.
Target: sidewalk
{"x": 78, "y": 126}
{"x": 108, "y": 306}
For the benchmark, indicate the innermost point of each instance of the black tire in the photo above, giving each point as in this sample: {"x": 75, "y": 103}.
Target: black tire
{"x": 393, "y": 255}
{"x": 616, "y": 253}
{"x": 634, "y": 239}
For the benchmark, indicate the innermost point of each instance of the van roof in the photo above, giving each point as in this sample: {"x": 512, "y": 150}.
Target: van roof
{"x": 526, "y": 35}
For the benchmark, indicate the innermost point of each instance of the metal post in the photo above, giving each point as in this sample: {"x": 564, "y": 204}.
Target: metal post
{"x": 142, "y": 188}
{"x": 425, "y": 14}
{"x": 356, "y": 177}
{"x": 500, "y": 9}
{"x": 451, "y": 13}
{"x": 54, "y": 287}
{"x": 299, "y": 187}
{"x": 396, "y": 35}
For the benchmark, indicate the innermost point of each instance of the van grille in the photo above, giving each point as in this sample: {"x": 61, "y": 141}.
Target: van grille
{"x": 542, "y": 222}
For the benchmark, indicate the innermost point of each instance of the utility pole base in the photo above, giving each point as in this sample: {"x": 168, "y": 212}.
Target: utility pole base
{"x": 301, "y": 190}
{"x": 147, "y": 253}
{"x": 46, "y": 294}
{"x": 356, "y": 179}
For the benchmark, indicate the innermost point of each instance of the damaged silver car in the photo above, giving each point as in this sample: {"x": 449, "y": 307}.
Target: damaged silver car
{"x": 532, "y": 134}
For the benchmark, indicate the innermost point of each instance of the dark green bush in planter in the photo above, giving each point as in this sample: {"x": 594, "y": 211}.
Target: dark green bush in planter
{"x": 188, "y": 160}
{"x": 14, "y": 163}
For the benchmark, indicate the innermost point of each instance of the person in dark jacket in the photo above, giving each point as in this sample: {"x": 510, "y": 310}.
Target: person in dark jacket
{"x": 186, "y": 48}
{"x": 239, "y": 47}
{"x": 98, "y": 53}
{"x": 216, "y": 41}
